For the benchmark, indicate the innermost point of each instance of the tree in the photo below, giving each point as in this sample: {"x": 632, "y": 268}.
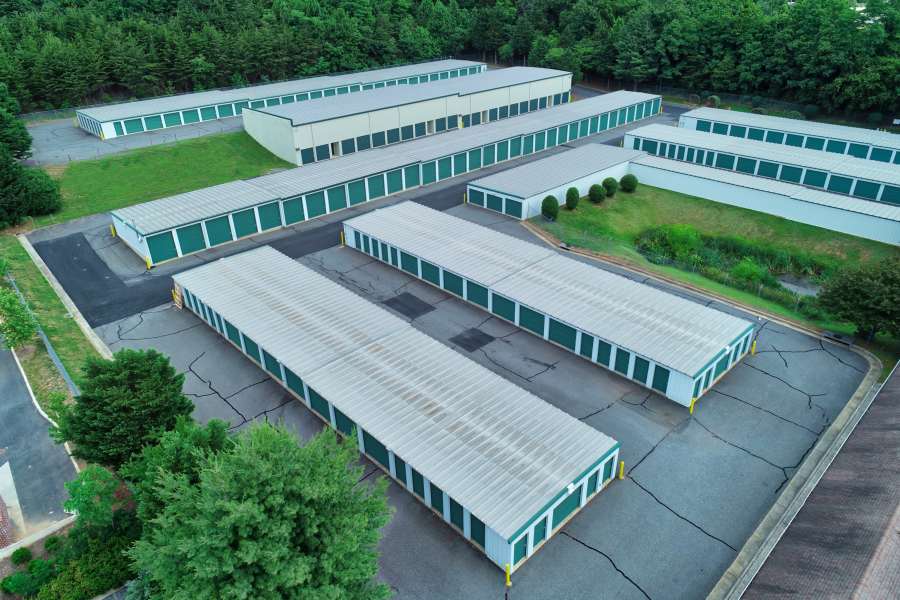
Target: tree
{"x": 17, "y": 324}
{"x": 550, "y": 207}
{"x": 14, "y": 135}
{"x": 596, "y": 193}
{"x": 867, "y": 296}
{"x": 572, "y": 198}
{"x": 611, "y": 186}
{"x": 24, "y": 191}
{"x": 268, "y": 518}
{"x": 628, "y": 183}
{"x": 92, "y": 496}
{"x": 125, "y": 403}
{"x": 42, "y": 196}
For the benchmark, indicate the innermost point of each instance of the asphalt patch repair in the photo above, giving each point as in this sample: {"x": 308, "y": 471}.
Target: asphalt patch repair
{"x": 408, "y": 305}
{"x": 471, "y": 340}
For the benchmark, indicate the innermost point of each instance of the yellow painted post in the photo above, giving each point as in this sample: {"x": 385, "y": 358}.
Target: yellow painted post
{"x": 693, "y": 402}
{"x": 342, "y": 237}
{"x": 149, "y": 265}
{"x": 508, "y": 580}
{"x": 112, "y": 230}
{"x": 465, "y": 197}
{"x": 753, "y": 348}
{"x": 621, "y": 469}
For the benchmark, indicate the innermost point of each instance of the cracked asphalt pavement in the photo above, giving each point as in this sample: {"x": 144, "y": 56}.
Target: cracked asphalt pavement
{"x": 695, "y": 486}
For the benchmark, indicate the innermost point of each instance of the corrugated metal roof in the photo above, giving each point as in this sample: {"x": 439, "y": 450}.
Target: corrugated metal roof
{"x": 152, "y": 106}
{"x": 324, "y": 109}
{"x": 814, "y": 159}
{"x": 675, "y": 332}
{"x": 840, "y": 132}
{"x": 549, "y": 173}
{"x": 159, "y": 215}
{"x": 497, "y": 449}
{"x": 790, "y": 190}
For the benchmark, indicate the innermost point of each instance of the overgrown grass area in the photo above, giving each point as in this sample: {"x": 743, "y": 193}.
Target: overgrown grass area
{"x": 613, "y": 228}
{"x": 101, "y": 185}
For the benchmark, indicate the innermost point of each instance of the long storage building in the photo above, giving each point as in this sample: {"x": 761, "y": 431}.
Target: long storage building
{"x": 857, "y": 177}
{"x": 858, "y": 142}
{"x": 663, "y": 342}
{"x": 114, "y": 120}
{"x": 306, "y": 133}
{"x": 499, "y": 465}
{"x": 169, "y": 228}
{"x": 519, "y": 191}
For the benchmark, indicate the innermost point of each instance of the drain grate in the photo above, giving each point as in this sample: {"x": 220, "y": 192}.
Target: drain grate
{"x": 408, "y": 305}
{"x": 471, "y": 340}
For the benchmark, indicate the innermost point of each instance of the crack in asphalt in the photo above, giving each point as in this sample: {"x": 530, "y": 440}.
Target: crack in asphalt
{"x": 341, "y": 275}
{"x": 611, "y": 561}
{"x": 225, "y": 399}
{"x": 529, "y": 378}
{"x": 741, "y": 448}
{"x": 766, "y": 410}
{"x": 797, "y": 465}
{"x": 367, "y": 475}
{"x": 642, "y": 403}
{"x": 676, "y": 427}
{"x": 808, "y": 395}
{"x": 266, "y": 412}
{"x": 839, "y": 359}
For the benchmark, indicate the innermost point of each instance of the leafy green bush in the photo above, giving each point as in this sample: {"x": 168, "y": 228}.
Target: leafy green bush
{"x": 43, "y": 196}
{"x": 628, "y": 183}
{"x": 28, "y": 582}
{"x": 52, "y": 544}
{"x": 20, "y": 556}
{"x": 759, "y": 110}
{"x": 572, "y": 197}
{"x": 550, "y": 207}
{"x": 713, "y": 101}
{"x": 794, "y": 114}
{"x": 750, "y": 271}
{"x": 611, "y": 186}
{"x": 596, "y": 193}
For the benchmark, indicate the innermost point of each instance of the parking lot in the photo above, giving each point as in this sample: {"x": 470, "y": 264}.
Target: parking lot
{"x": 695, "y": 486}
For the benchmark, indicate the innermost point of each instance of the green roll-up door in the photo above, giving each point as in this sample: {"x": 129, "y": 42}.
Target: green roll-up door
{"x": 604, "y": 122}
{"x": 375, "y": 449}
{"x": 776, "y": 137}
{"x": 587, "y": 345}
{"x": 395, "y": 181}
{"x": 429, "y": 173}
{"x": 337, "y": 199}
{"x": 400, "y": 469}
{"x": 190, "y": 116}
{"x": 319, "y": 404}
{"x": 720, "y": 128}
{"x": 551, "y": 137}
{"x": 271, "y": 364}
{"x": 453, "y": 283}
{"x": 459, "y": 163}
{"x": 437, "y": 497}
{"x": 456, "y": 513}
{"x": 531, "y": 320}
{"x": 357, "y": 191}
{"x": 172, "y": 119}
{"x": 879, "y": 154}
{"x": 641, "y": 369}
{"x": 540, "y": 531}
{"x": 269, "y": 216}
{"x": 622, "y": 360}
{"x": 315, "y": 205}
{"x": 119, "y": 131}
{"x": 476, "y": 293}
{"x": 134, "y": 126}
{"x": 562, "y": 334}
{"x": 494, "y": 202}
{"x": 858, "y": 150}
{"x": 867, "y": 189}
{"x": 815, "y": 178}
{"x": 411, "y": 176}
{"x": 430, "y": 273}
{"x": 573, "y": 131}
{"x": 608, "y": 470}
{"x": 190, "y": 239}
{"x": 409, "y": 263}
{"x": 376, "y": 186}
{"x": 418, "y": 482}
{"x": 767, "y": 169}
{"x": 476, "y": 530}
{"x": 519, "y": 549}
{"x": 244, "y": 223}
{"x": 226, "y": 110}
{"x": 528, "y": 144}
{"x": 836, "y": 146}
{"x": 515, "y": 147}
{"x": 294, "y": 383}
{"x": 540, "y": 141}
{"x": 725, "y": 161}
{"x": 604, "y": 351}
{"x": 891, "y": 194}
{"x": 592, "y": 482}
{"x": 476, "y": 197}
{"x": 595, "y": 123}
{"x": 208, "y": 113}
{"x": 162, "y": 247}
{"x": 737, "y": 131}
{"x": 293, "y": 211}
{"x": 698, "y": 386}
{"x": 791, "y": 174}
{"x": 502, "y": 150}
{"x": 756, "y": 134}
{"x": 218, "y": 231}
{"x": 233, "y": 334}
{"x": 474, "y": 159}
{"x": 514, "y": 208}
{"x": 746, "y": 165}
{"x": 566, "y": 507}
{"x": 252, "y": 349}
{"x": 660, "y": 379}
{"x": 343, "y": 423}
{"x": 503, "y": 307}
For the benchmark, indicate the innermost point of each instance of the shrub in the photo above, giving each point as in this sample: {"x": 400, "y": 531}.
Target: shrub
{"x": 17, "y": 326}
{"x": 757, "y": 101}
{"x": 628, "y": 183}
{"x": 875, "y": 118}
{"x": 52, "y": 544}
{"x": 610, "y": 185}
{"x": 596, "y": 193}
{"x": 20, "y": 556}
{"x": 29, "y": 581}
{"x": 43, "y": 197}
{"x": 745, "y": 99}
{"x": 572, "y": 197}
{"x": 794, "y": 114}
{"x": 810, "y": 110}
{"x": 750, "y": 271}
{"x": 694, "y": 99}
{"x": 759, "y": 110}
{"x": 550, "y": 207}
{"x": 714, "y": 101}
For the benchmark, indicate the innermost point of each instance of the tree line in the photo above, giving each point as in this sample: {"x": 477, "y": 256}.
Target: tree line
{"x": 824, "y": 52}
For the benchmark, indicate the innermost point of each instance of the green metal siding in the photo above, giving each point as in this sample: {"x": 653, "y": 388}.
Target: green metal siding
{"x": 190, "y": 238}
{"x": 162, "y": 247}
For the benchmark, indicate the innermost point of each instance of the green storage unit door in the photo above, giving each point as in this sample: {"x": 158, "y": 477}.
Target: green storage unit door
{"x": 293, "y": 211}
{"x": 879, "y": 154}
{"x": 190, "y": 238}
{"x": 566, "y": 507}
{"x": 520, "y": 549}
{"x": 502, "y": 150}
{"x": 698, "y": 385}
{"x": 119, "y": 131}
{"x": 514, "y": 208}
{"x": 540, "y": 532}
{"x": 172, "y": 119}
{"x": 721, "y": 128}
{"x": 474, "y": 159}
{"x": 604, "y": 351}
{"x": 315, "y": 205}
{"x": 376, "y": 186}
{"x": 608, "y": 470}
{"x": 477, "y": 293}
{"x": 531, "y": 320}
{"x": 357, "y": 191}
{"x": 528, "y": 144}
{"x": 661, "y": 379}
{"x": 476, "y": 530}
{"x": 815, "y": 178}
{"x": 418, "y": 483}
{"x": 437, "y": 496}
{"x": 791, "y": 174}
{"x": 794, "y": 140}
{"x": 430, "y": 273}
{"x": 767, "y": 169}
{"x": 271, "y": 364}
{"x": 858, "y": 150}
{"x": 515, "y": 147}
{"x": 252, "y": 349}
{"x": 294, "y": 383}
{"x": 551, "y": 137}
{"x": 208, "y": 113}
{"x": 562, "y": 334}
{"x": 244, "y": 223}
{"x": 375, "y": 449}
{"x": 622, "y": 360}
{"x": 891, "y": 194}
{"x": 269, "y": 216}
{"x": 233, "y": 334}
{"x": 456, "y": 514}
{"x": 218, "y": 231}
{"x": 756, "y": 134}
{"x": 429, "y": 173}
{"x": 866, "y": 189}
{"x": 409, "y": 263}
{"x": 453, "y": 283}
{"x": 746, "y": 165}
{"x": 190, "y": 116}
{"x": 162, "y": 247}
{"x": 592, "y": 482}
{"x": 134, "y": 126}
{"x": 319, "y": 404}
{"x": 459, "y": 163}
{"x": 399, "y": 469}
{"x": 503, "y": 307}
{"x": 725, "y": 161}
{"x": 488, "y": 154}
{"x": 814, "y": 143}
{"x": 411, "y": 176}
{"x": 721, "y": 366}
{"x": 776, "y": 137}
{"x": 641, "y": 369}
{"x": 836, "y": 147}
{"x": 604, "y": 122}
{"x": 344, "y": 423}
{"x": 226, "y": 110}
{"x": 476, "y": 197}
{"x": 587, "y": 345}
{"x": 395, "y": 181}
{"x": 337, "y": 199}
{"x": 540, "y": 141}
{"x": 495, "y": 202}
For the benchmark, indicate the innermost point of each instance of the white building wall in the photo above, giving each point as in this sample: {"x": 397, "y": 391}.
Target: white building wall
{"x": 687, "y": 122}
{"x": 337, "y": 129}
{"x": 382, "y": 120}
{"x": 681, "y": 388}
{"x": 532, "y": 206}
{"x": 109, "y": 130}
{"x": 519, "y": 93}
{"x": 273, "y": 133}
{"x": 421, "y": 112}
{"x": 488, "y": 100}
{"x": 496, "y": 548}
{"x": 127, "y": 234}
{"x": 835, "y": 219}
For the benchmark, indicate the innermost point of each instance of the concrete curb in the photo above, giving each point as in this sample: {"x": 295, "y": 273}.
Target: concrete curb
{"x": 92, "y": 337}
{"x": 36, "y": 537}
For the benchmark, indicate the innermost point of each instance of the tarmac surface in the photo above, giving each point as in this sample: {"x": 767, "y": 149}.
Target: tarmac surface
{"x": 39, "y": 468}
{"x": 695, "y": 486}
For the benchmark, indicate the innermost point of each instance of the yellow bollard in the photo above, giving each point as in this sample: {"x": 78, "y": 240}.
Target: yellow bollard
{"x": 621, "y": 469}
{"x": 753, "y": 348}
{"x": 342, "y": 237}
{"x": 149, "y": 264}
{"x": 691, "y": 408}
{"x": 465, "y": 197}
{"x": 508, "y": 581}
{"x": 112, "y": 230}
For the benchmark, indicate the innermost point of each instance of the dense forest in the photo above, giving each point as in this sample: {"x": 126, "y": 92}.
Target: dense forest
{"x": 62, "y": 53}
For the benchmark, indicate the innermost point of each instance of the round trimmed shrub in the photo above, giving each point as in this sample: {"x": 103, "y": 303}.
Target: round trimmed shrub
{"x": 21, "y": 556}
{"x": 611, "y": 186}
{"x": 714, "y": 101}
{"x": 572, "y": 197}
{"x": 52, "y": 544}
{"x": 694, "y": 99}
{"x": 596, "y": 193}
{"x": 628, "y": 183}
{"x": 795, "y": 114}
{"x": 550, "y": 207}
{"x": 759, "y": 110}
{"x": 757, "y": 101}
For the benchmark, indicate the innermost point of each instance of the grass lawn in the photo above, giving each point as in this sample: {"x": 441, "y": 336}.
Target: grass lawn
{"x": 612, "y": 227}
{"x": 101, "y": 185}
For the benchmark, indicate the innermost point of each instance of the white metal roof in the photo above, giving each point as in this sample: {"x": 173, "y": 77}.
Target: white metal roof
{"x": 324, "y": 109}
{"x": 848, "y": 166}
{"x": 861, "y": 135}
{"x": 159, "y": 215}
{"x": 668, "y": 329}
{"x": 549, "y": 173}
{"x": 152, "y": 106}
{"x": 495, "y": 448}
{"x": 794, "y": 191}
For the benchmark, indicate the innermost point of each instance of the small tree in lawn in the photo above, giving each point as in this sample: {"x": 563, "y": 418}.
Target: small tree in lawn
{"x": 611, "y": 186}
{"x": 596, "y": 193}
{"x": 550, "y": 207}
{"x": 14, "y": 135}
{"x": 92, "y": 496}
{"x": 125, "y": 403}
{"x": 17, "y": 325}
{"x": 268, "y": 518}
{"x": 572, "y": 197}
{"x": 628, "y": 183}
{"x": 867, "y": 296}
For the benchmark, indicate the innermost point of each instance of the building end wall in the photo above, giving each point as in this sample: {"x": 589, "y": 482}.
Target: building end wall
{"x": 275, "y": 134}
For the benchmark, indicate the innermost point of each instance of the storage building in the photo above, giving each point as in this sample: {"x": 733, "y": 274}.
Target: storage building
{"x": 171, "y": 227}
{"x": 114, "y": 120}
{"x": 306, "y": 133}
{"x": 837, "y": 212}
{"x": 661, "y": 341}
{"x": 519, "y": 191}
{"x": 858, "y": 142}
{"x": 499, "y": 465}
{"x": 866, "y": 179}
